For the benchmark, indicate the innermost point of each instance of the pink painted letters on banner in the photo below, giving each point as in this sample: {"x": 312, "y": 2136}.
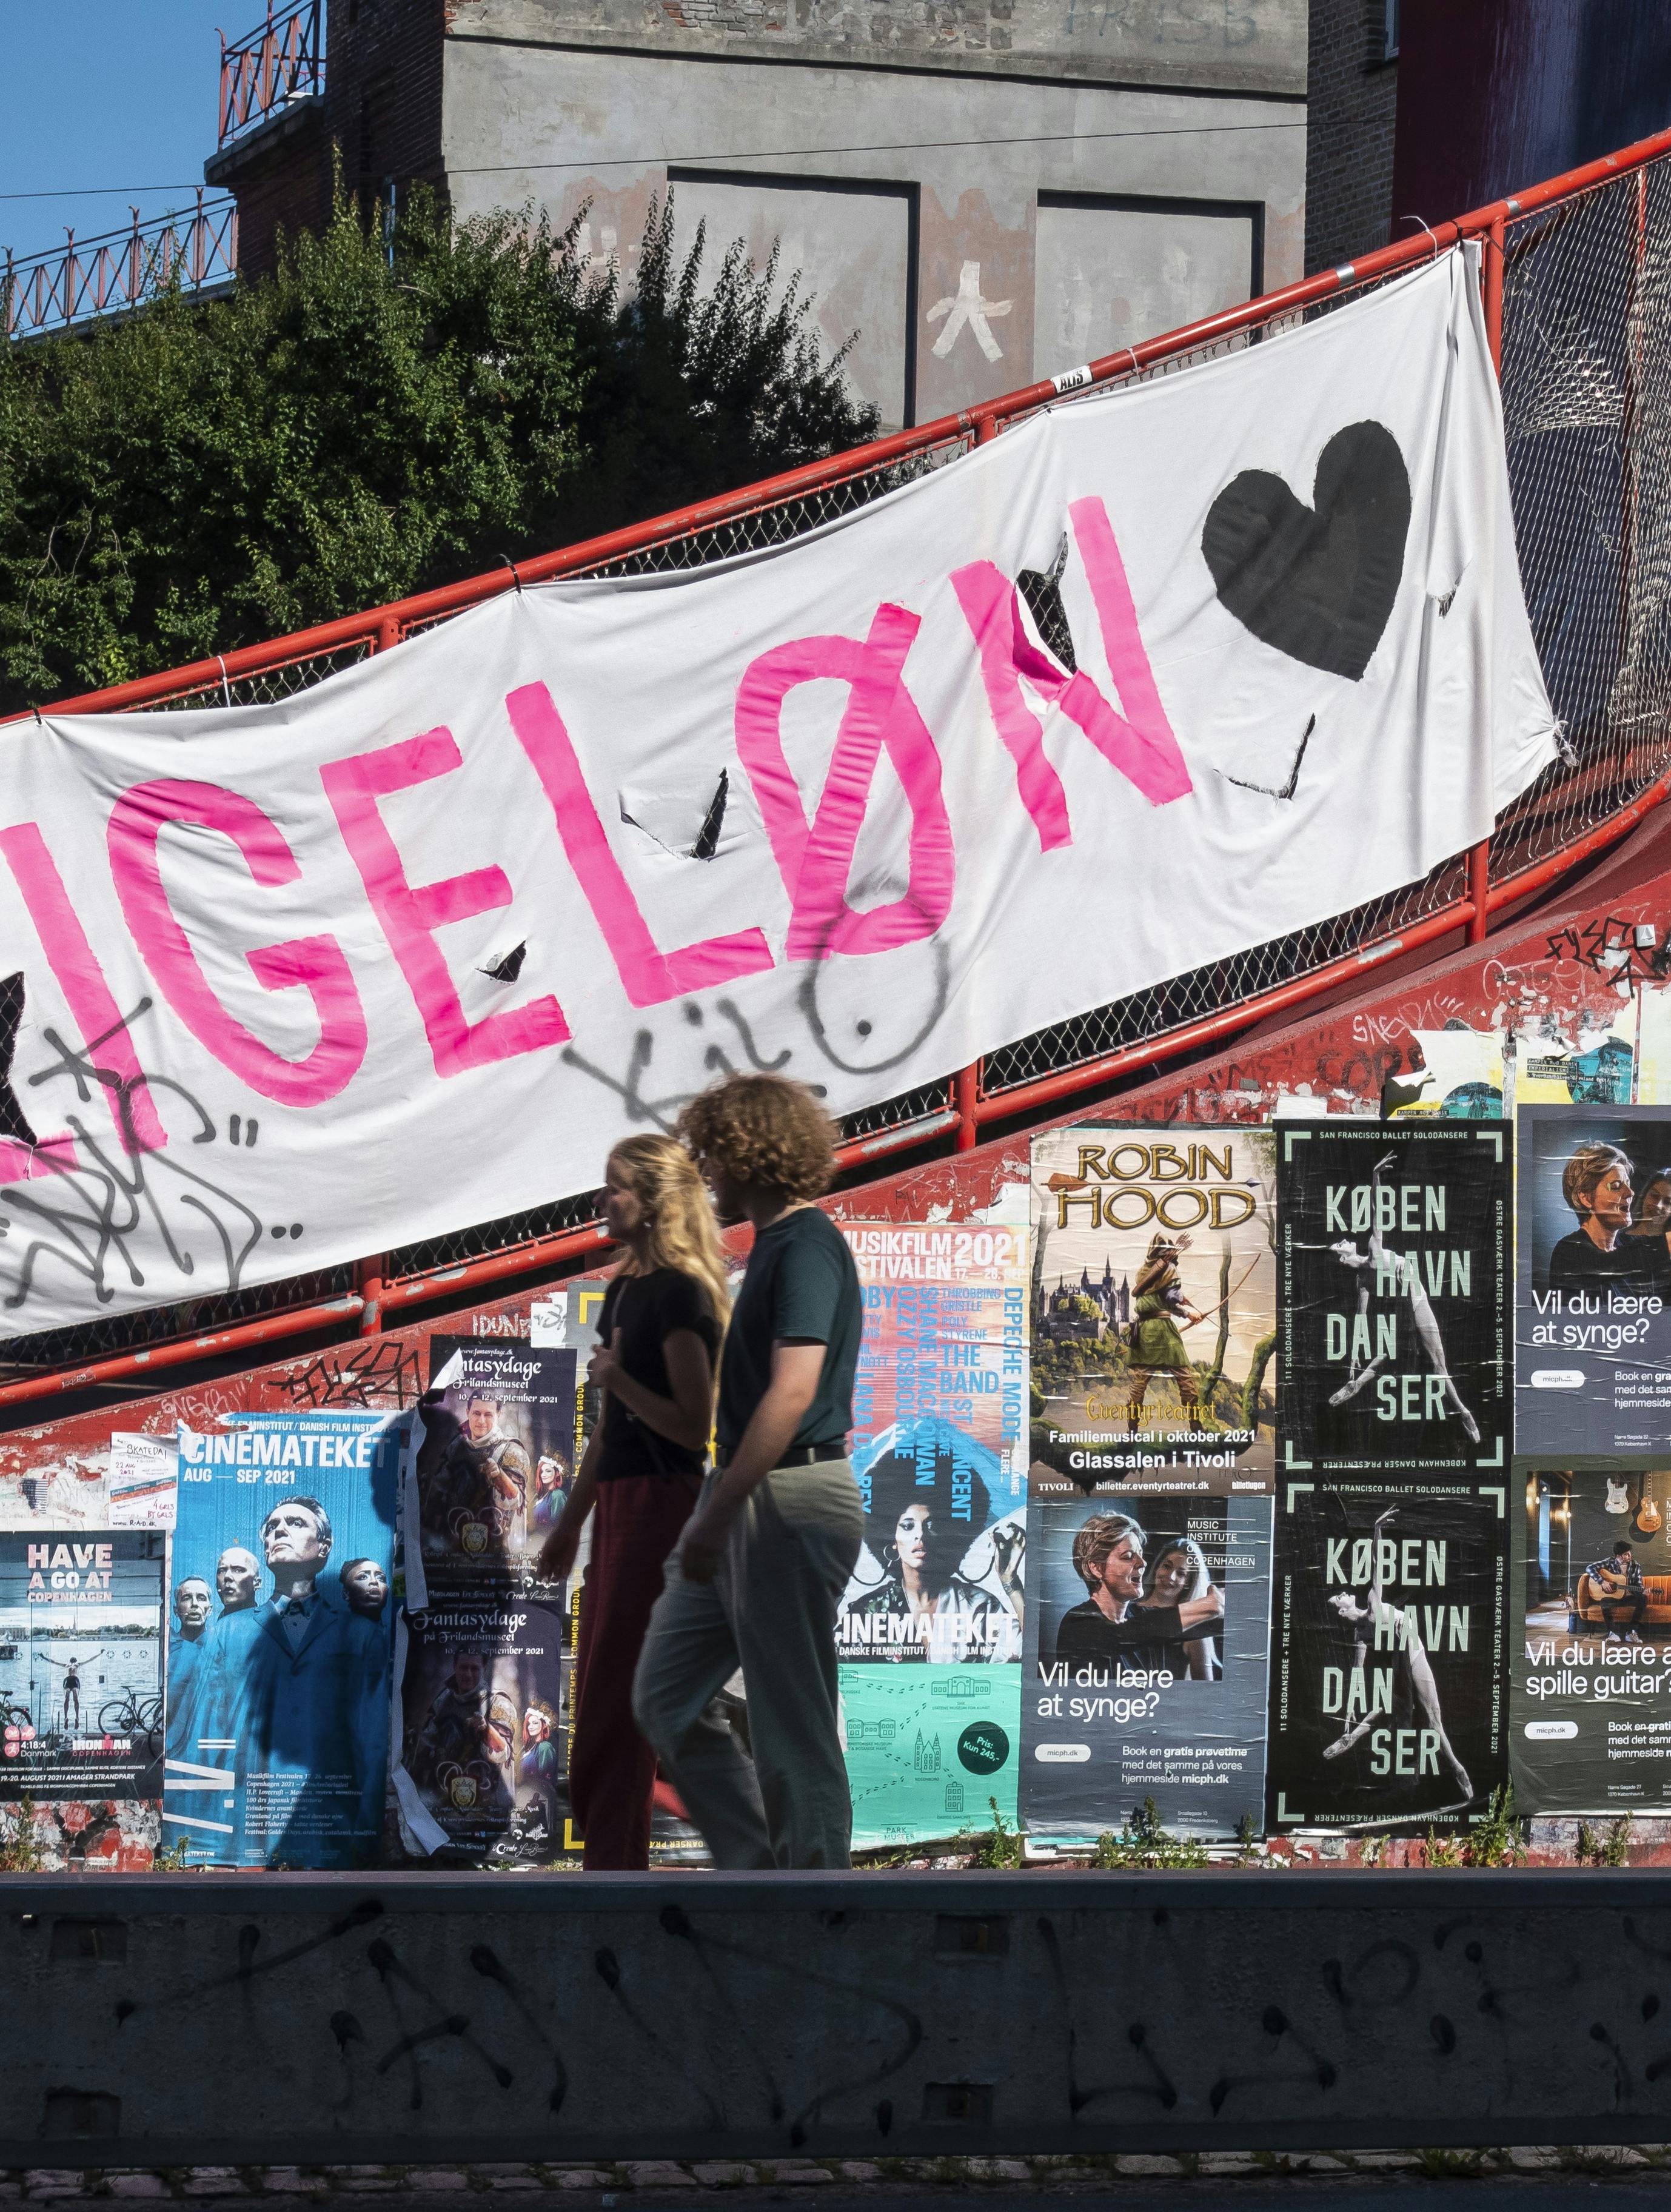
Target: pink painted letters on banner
{"x": 411, "y": 913}
{"x": 1139, "y": 742}
{"x": 648, "y": 976}
{"x": 314, "y": 965}
{"x": 881, "y": 715}
{"x": 103, "y": 1050}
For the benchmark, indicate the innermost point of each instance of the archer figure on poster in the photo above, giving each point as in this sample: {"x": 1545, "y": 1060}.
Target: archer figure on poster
{"x": 1399, "y": 1275}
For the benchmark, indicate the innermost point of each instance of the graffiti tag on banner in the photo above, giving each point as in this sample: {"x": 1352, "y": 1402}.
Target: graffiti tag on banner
{"x": 929, "y": 1630}
{"x": 546, "y": 869}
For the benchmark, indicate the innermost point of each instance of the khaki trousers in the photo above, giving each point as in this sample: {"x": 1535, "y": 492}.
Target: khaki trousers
{"x": 770, "y": 1608}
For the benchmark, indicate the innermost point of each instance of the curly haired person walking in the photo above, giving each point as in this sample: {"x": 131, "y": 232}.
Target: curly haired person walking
{"x": 763, "y": 1564}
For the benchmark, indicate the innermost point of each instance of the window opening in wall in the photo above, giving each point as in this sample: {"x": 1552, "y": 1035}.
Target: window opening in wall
{"x": 1389, "y": 27}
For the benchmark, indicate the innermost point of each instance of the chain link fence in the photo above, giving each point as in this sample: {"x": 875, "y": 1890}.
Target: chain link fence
{"x": 1586, "y": 376}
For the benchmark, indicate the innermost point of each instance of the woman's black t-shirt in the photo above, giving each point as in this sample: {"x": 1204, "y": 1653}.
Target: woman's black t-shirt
{"x": 647, "y": 1309}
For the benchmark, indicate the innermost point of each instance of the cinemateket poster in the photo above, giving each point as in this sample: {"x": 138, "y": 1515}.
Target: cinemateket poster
{"x": 929, "y": 1632}
{"x": 1153, "y": 1307}
{"x": 279, "y": 1660}
{"x": 1395, "y": 1280}
{"x": 1389, "y": 1667}
{"x": 80, "y": 1664}
{"x": 1593, "y": 1288}
{"x": 1147, "y": 1639}
{"x": 1592, "y": 1641}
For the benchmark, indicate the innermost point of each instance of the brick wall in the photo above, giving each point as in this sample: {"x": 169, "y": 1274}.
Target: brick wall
{"x": 381, "y": 110}
{"x": 1351, "y": 104}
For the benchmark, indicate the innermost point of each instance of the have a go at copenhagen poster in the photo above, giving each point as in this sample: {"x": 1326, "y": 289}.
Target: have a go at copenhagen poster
{"x": 928, "y": 1636}
{"x": 1389, "y": 1660}
{"x": 279, "y": 1687}
{"x": 1394, "y": 1277}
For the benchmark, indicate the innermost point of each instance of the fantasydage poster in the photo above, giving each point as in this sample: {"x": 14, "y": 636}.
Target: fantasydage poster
{"x": 1592, "y": 1640}
{"x": 1390, "y": 1676}
{"x": 1147, "y": 1636}
{"x": 929, "y": 1632}
{"x": 1153, "y": 1305}
{"x": 1393, "y": 1346}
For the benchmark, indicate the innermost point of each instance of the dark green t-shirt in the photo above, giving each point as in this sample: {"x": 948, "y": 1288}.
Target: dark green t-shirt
{"x": 800, "y": 1282}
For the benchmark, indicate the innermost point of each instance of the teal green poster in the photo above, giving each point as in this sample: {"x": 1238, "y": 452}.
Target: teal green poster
{"x": 929, "y": 1747}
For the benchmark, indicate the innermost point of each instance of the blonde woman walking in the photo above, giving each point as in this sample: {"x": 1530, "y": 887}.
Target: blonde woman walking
{"x": 659, "y": 1331}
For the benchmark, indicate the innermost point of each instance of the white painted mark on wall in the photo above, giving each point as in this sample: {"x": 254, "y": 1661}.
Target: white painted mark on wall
{"x": 969, "y": 306}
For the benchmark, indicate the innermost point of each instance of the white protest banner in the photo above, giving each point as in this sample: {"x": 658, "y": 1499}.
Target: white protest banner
{"x": 1141, "y": 683}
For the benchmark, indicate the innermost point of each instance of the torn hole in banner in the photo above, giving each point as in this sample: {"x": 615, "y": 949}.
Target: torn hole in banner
{"x": 691, "y": 818}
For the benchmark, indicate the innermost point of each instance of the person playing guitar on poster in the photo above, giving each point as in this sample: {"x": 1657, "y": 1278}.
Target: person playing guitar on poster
{"x": 1617, "y": 1583}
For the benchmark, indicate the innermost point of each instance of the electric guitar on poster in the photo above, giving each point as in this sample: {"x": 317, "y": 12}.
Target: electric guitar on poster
{"x": 1649, "y": 1518}
{"x": 1618, "y": 1495}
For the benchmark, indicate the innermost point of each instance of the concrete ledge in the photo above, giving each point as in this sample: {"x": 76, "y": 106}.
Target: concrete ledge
{"x": 307, "y": 2020}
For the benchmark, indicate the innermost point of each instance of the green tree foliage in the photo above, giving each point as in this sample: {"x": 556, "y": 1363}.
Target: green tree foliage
{"x": 374, "y": 420}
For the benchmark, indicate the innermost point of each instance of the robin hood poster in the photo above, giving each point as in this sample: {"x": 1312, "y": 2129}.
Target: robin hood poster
{"x": 1389, "y": 1670}
{"x": 1394, "y": 1277}
{"x": 1154, "y": 1302}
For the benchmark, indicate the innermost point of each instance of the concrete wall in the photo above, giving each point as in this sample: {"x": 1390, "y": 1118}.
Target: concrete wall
{"x": 218, "y": 2020}
{"x": 981, "y": 217}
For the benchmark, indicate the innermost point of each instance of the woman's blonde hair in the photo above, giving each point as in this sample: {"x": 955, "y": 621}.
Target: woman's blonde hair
{"x": 682, "y": 1233}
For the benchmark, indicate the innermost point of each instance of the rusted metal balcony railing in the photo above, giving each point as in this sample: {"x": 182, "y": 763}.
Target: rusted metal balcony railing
{"x": 280, "y": 61}
{"x": 120, "y": 271}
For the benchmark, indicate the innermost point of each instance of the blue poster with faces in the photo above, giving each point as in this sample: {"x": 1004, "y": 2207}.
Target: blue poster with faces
{"x": 281, "y": 1640}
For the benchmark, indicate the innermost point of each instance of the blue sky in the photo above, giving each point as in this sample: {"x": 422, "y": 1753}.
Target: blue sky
{"x": 107, "y": 92}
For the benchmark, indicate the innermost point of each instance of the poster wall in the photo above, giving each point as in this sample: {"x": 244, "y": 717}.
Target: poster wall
{"x": 1593, "y": 1282}
{"x": 1122, "y": 1703}
{"x": 1592, "y": 1642}
{"x": 1394, "y": 1288}
{"x": 480, "y": 1751}
{"x": 1389, "y": 1670}
{"x": 81, "y": 1665}
{"x": 929, "y": 1632}
{"x": 280, "y": 1647}
{"x": 1153, "y": 1306}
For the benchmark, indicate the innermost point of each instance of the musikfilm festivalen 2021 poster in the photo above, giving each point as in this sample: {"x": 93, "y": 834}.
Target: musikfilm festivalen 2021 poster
{"x": 928, "y": 1636}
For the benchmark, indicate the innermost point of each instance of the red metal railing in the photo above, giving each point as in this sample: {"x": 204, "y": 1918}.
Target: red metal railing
{"x": 1565, "y": 302}
{"x": 110, "y": 275}
{"x": 281, "y": 60}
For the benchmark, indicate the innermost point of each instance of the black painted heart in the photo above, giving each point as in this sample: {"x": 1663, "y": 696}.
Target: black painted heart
{"x": 1317, "y": 582}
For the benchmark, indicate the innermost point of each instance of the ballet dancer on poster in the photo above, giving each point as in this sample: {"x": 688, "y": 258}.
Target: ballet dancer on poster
{"x": 1391, "y": 1629}
{"x": 1399, "y": 1273}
